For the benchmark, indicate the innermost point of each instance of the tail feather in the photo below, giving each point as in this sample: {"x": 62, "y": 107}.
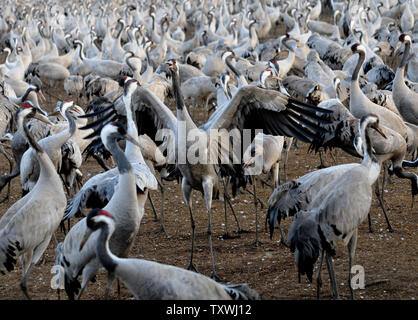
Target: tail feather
{"x": 241, "y": 291}
{"x": 305, "y": 242}
{"x": 283, "y": 202}
{"x": 8, "y": 255}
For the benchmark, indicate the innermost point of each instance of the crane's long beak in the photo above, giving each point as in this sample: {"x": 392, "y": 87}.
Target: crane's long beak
{"x": 78, "y": 109}
{"x": 85, "y": 238}
{"x": 397, "y": 48}
{"x": 133, "y": 140}
{"x": 54, "y": 113}
{"x": 379, "y": 129}
{"x": 42, "y": 118}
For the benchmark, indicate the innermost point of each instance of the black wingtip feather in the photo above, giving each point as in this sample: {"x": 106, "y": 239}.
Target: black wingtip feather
{"x": 93, "y": 114}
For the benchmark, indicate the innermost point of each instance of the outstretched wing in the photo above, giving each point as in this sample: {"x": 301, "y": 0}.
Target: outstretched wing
{"x": 151, "y": 114}
{"x": 277, "y": 114}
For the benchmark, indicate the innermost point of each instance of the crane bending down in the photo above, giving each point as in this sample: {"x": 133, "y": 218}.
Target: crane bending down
{"x": 27, "y": 227}
{"x": 126, "y": 205}
{"x": 336, "y": 212}
{"x": 151, "y": 280}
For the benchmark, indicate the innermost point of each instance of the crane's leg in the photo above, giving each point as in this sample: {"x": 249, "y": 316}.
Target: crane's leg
{"x": 369, "y": 219}
{"x": 25, "y": 295}
{"x": 88, "y": 274}
{"x": 228, "y": 200}
{"x": 333, "y": 157}
{"x": 318, "y": 278}
{"x": 283, "y": 239}
{"x": 351, "y": 246}
{"x": 286, "y": 156}
{"x": 276, "y": 171}
{"x": 322, "y": 164}
{"x": 225, "y": 185}
{"x": 187, "y": 191}
{"x": 7, "y": 177}
{"x": 330, "y": 266}
{"x": 33, "y": 257}
{"x": 110, "y": 278}
{"x": 208, "y": 191}
{"x": 383, "y": 192}
{"x": 162, "y": 220}
{"x": 152, "y": 207}
{"x": 258, "y": 199}
{"x": 382, "y": 204}
{"x": 256, "y": 242}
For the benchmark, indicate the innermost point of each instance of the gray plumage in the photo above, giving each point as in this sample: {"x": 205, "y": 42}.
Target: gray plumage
{"x": 405, "y": 99}
{"x": 336, "y": 212}
{"x": 27, "y": 227}
{"x": 149, "y": 280}
{"x": 126, "y": 205}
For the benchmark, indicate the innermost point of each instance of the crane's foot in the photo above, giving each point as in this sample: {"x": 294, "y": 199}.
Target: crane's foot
{"x": 391, "y": 230}
{"x": 162, "y": 230}
{"x": 25, "y": 295}
{"x": 192, "y": 267}
{"x": 217, "y": 278}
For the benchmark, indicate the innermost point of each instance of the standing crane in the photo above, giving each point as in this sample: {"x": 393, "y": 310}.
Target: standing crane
{"x": 126, "y": 205}
{"x": 336, "y": 212}
{"x": 27, "y": 227}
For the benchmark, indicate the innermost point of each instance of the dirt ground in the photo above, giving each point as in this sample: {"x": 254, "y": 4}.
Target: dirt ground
{"x": 389, "y": 259}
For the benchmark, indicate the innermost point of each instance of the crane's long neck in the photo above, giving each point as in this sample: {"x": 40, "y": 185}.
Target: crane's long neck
{"x": 135, "y": 71}
{"x": 253, "y": 36}
{"x": 26, "y": 94}
{"x": 405, "y": 56}
{"x": 132, "y": 151}
{"x": 31, "y": 140}
{"x": 369, "y": 160}
{"x": 47, "y": 168}
{"x": 106, "y": 257}
{"x": 125, "y": 196}
{"x": 355, "y": 76}
{"x": 81, "y": 51}
{"x": 59, "y": 139}
{"x": 242, "y": 80}
{"x": 182, "y": 113}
